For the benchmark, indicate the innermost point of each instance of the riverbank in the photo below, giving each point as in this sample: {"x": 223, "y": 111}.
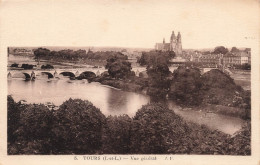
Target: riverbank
{"x": 140, "y": 85}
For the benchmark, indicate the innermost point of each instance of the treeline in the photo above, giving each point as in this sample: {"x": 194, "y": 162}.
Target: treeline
{"x": 78, "y": 127}
{"x": 71, "y": 55}
{"x": 30, "y": 66}
{"x": 148, "y": 58}
{"x": 186, "y": 85}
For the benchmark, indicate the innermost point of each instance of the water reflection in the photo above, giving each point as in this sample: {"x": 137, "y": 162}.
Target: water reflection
{"x": 110, "y": 101}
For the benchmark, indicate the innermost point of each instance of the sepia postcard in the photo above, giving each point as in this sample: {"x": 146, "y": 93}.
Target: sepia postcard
{"x": 129, "y": 82}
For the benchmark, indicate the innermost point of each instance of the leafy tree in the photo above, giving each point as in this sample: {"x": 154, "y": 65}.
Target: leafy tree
{"x": 48, "y": 66}
{"x": 148, "y": 58}
{"x": 234, "y": 50}
{"x": 159, "y": 82}
{"x": 116, "y": 135}
{"x": 35, "y": 122}
{"x": 220, "y": 49}
{"x": 118, "y": 67}
{"x": 13, "y": 116}
{"x": 41, "y": 53}
{"x": 185, "y": 87}
{"x": 77, "y": 128}
{"x": 156, "y": 129}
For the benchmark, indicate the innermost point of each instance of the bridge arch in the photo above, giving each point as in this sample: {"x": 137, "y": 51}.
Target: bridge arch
{"x": 70, "y": 74}
{"x": 20, "y": 75}
{"x": 87, "y": 75}
{"x": 48, "y": 73}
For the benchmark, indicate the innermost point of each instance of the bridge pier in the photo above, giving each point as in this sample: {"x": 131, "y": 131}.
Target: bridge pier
{"x": 33, "y": 75}
{"x": 9, "y": 76}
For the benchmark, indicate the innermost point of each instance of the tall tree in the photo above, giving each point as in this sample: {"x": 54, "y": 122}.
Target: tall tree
{"x": 220, "y": 49}
{"x": 118, "y": 66}
{"x": 41, "y": 53}
{"x": 159, "y": 82}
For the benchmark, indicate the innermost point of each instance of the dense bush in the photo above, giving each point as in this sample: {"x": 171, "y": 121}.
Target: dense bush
{"x": 118, "y": 67}
{"x": 13, "y": 116}
{"x": 71, "y": 55}
{"x": 116, "y": 135}
{"x": 14, "y": 65}
{"x": 27, "y": 66}
{"x": 219, "y": 88}
{"x": 149, "y": 58}
{"x": 185, "y": 87}
{"x": 156, "y": 129}
{"x": 77, "y": 128}
{"x": 159, "y": 82}
{"x": 240, "y": 144}
{"x": 28, "y": 128}
{"x": 35, "y": 122}
{"x": 48, "y": 66}
{"x": 80, "y": 128}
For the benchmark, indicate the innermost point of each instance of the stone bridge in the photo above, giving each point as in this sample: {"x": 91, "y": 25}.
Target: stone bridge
{"x": 54, "y": 73}
{"x": 58, "y": 73}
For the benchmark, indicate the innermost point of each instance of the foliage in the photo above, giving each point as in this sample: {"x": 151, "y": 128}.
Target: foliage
{"x": 28, "y": 128}
{"x": 245, "y": 66}
{"x": 185, "y": 87}
{"x": 41, "y": 53}
{"x": 240, "y": 143}
{"x": 220, "y": 49}
{"x": 159, "y": 82}
{"x": 13, "y": 115}
{"x": 27, "y": 66}
{"x": 118, "y": 67}
{"x": 48, "y": 66}
{"x": 148, "y": 58}
{"x": 234, "y": 50}
{"x": 116, "y": 135}
{"x": 219, "y": 88}
{"x": 35, "y": 122}
{"x": 156, "y": 129}
{"x": 14, "y": 65}
{"x": 77, "y": 127}
{"x": 71, "y": 55}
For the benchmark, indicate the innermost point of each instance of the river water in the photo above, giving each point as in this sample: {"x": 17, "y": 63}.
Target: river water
{"x": 109, "y": 100}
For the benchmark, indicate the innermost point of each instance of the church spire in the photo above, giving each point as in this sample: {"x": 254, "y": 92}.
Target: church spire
{"x": 173, "y": 37}
{"x": 179, "y": 36}
{"x": 163, "y": 40}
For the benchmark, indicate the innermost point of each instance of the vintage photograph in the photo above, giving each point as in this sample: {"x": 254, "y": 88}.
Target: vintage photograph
{"x": 131, "y": 77}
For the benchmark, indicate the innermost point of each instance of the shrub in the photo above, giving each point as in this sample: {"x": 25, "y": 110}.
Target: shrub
{"x": 35, "y": 122}
{"x": 116, "y": 135}
{"x": 48, "y": 66}
{"x": 27, "y": 66}
{"x": 185, "y": 87}
{"x": 240, "y": 144}
{"x": 219, "y": 88}
{"x": 157, "y": 129}
{"x": 77, "y": 128}
{"x": 13, "y": 116}
{"x": 14, "y": 65}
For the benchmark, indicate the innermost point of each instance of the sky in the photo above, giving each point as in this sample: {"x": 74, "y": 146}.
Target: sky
{"x": 129, "y": 23}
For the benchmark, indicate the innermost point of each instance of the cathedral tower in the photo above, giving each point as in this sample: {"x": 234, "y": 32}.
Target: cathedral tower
{"x": 173, "y": 42}
{"x": 179, "y": 44}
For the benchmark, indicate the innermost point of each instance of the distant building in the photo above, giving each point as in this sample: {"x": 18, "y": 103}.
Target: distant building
{"x": 174, "y": 45}
{"x": 239, "y": 58}
{"x": 229, "y": 59}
